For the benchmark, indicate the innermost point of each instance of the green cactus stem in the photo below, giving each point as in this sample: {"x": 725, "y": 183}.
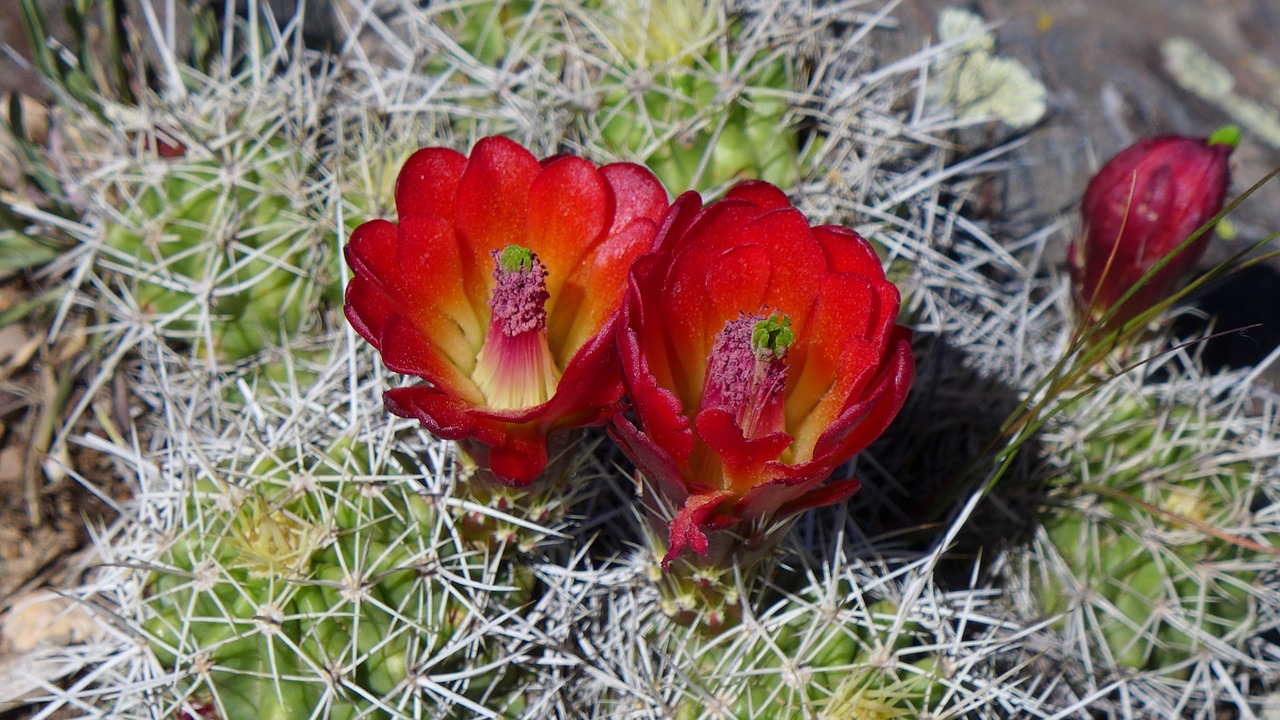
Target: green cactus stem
{"x": 1137, "y": 543}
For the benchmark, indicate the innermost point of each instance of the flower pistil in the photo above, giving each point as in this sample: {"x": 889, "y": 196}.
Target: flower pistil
{"x": 747, "y": 372}
{"x": 515, "y": 368}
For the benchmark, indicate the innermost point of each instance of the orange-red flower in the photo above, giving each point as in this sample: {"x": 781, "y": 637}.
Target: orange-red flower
{"x": 500, "y": 287}
{"x": 1138, "y": 209}
{"x": 760, "y": 353}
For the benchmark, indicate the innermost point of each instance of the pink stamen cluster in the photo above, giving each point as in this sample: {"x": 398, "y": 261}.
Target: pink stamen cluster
{"x": 743, "y": 376}
{"x": 519, "y": 300}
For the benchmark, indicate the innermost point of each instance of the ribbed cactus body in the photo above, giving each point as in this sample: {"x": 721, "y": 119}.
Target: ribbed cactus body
{"x": 681, "y": 90}
{"x": 823, "y": 663}
{"x": 693, "y": 133}
{"x": 316, "y": 585}
{"x": 1129, "y": 549}
{"x": 218, "y": 249}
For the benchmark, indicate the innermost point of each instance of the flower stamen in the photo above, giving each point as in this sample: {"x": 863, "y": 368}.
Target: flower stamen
{"x": 515, "y": 368}
{"x": 747, "y": 372}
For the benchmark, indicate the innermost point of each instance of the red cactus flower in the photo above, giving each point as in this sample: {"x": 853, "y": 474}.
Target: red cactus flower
{"x": 760, "y": 353}
{"x": 500, "y": 287}
{"x": 1140, "y": 207}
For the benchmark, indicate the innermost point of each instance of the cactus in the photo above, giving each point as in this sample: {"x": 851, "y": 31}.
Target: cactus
{"x": 319, "y": 584}
{"x": 693, "y": 96}
{"x": 1139, "y": 557}
{"x": 826, "y": 648}
{"x": 824, "y": 662}
{"x": 213, "y": 245}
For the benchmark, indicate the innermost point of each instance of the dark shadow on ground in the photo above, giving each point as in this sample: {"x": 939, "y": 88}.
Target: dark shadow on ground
{"x": 941, "y": 448}
{"x": 1243, "y": 314}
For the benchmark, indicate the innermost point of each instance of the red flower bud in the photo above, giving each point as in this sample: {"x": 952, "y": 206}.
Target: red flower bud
{"x": 760, "y": 353}
{"x": 501, "y": 287}
{"x": 1140, "y": 207}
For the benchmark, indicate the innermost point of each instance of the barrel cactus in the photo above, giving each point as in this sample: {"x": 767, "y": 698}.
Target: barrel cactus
{"x": 322, "y": 583}
{"x": 694, "y": 96}
{"x": 1146, "y": 556}
{"x": 214, "y": 243}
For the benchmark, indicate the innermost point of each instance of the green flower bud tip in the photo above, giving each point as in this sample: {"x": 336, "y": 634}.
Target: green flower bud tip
{"x": 515, "y": 258}
{"x": 771, "y": 337}
{"x": 1227, "y": 135}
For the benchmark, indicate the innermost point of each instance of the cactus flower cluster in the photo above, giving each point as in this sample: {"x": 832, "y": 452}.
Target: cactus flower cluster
{"x": 757, "y": 353}
{"x": 760, "y": 354}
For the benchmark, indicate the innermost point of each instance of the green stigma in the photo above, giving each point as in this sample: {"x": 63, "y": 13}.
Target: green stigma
{"x": 1227, "y": 135}
{"x": 515, "y": 258}
{"x": 771, "y": 337}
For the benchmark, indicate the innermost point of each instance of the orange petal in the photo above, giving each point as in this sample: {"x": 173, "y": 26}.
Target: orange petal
{"x": 434, "y": 297}
{"x": 406, "y": 349}
{"x": 594, "y": 291}
{"x": 569, "y": 207}
{"x": 829, "y": 358}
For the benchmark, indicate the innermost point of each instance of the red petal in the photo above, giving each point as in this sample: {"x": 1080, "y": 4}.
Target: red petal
{"x": 759, "y": 193}
{"x": 1143, "y": 204}
{"x": 650, "y": 459}
{"x": 827, "y": 494}
{"x": 371, "y": 252}
{"x": 864, "y": 420}
{"x": 637, "y": 195}
{"x": 444, "y": 415}
{"x": 428, "y": 182}
{"x": 492, "y": 208}
{"x": 798, "y": 264}
{"x": 520, "y": 459}
{"x": 660, "y": 411}
{"x": 789, "y": 483}
{"x": 848, "y": 252}
{"x": 689, "y": 317}
{"x": 594, "y": 288}
{"x": 687, "y": 526}
{"x": 832, "y": 357}
{"x": 405, "y": 349}
{"x": 591, "y": 388}
{"x": 734, "y": 281}
{"x": 368, "y": 308}
{"x": 433, "y": 296}
{"x": 744, "y": 459}
{"x": 686, "y": 210}
{"x": 569, "y": 206}
{"x": 603, "y": 282}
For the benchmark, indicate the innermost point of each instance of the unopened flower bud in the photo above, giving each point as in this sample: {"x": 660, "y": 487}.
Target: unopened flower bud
{"x": 1140, "y": 208}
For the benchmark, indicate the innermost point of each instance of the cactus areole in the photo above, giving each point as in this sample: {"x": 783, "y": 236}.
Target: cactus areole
{"x": 500, "y": 287}
{"x": 760, "y": 353}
